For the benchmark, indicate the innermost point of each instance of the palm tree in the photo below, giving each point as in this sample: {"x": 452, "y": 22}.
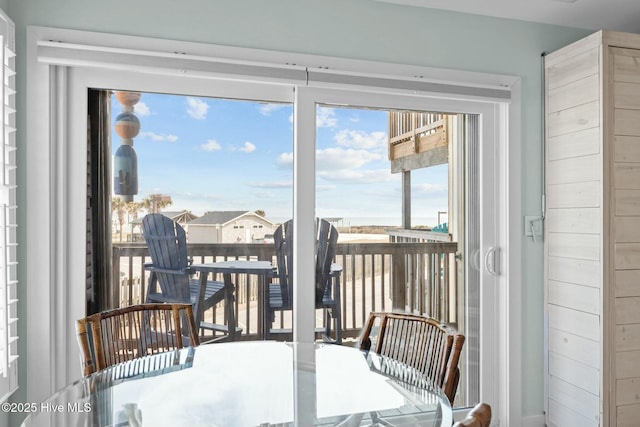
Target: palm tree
{"x": 123, "y": 208}
{"x": 120, "y": 207}
{"x": 134, "y": 208}
{"x": 154, "y": 203}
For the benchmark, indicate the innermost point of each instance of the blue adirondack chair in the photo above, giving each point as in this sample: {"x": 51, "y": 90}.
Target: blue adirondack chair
{"x": 171, "y": 272}
{"x": 327, "y": 283}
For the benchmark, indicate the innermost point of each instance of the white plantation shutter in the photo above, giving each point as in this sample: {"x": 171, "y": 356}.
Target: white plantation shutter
{"x": 8, "y": 241}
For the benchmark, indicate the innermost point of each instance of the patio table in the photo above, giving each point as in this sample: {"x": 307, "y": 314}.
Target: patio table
{"x": 249, "y": 383}
{"x": 263, "y": 269}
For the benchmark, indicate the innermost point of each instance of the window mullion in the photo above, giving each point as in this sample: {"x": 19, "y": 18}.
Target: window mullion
{"x": 304, "y": 206}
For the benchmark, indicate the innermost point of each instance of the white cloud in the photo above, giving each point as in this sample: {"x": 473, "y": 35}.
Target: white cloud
{"x": 339, "y": 158}
{"x": 211, "y": 145}
{"x": 267, "y": 109}
{"x": 248, "y": 147}
{"x": 362, "y": 140}
{"x": 141, "y": 109}
{"x": 158, "y": 137}
{"x": 262, "y": 194}
{"x": 197, "y": 108}
{"x": 271, "y": 184}
{"x": 358, "y": 176}
{"x": 325, "y": 187}
{"x": 334, "y": 158}
{"x": 344, "y": 165}
{"x": 326, "y": 118}
{"x": 285, "y": 160}
{"x": 431, "y": 188}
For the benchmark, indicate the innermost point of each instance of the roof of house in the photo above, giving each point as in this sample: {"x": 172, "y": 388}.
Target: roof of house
{"x": 176, "y": 215}
{"x": 218, "y": 217}
{"x": 183, "y": 216}
{"x": 223, "y": 217}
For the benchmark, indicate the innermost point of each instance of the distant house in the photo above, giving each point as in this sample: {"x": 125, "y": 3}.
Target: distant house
{"x": 181, "y": 217}
{"x": 229, "y": 227}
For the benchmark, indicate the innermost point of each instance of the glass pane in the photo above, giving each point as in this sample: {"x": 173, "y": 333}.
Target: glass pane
{"x": 383, "y": 180}
{"x": 219, "y": 168}
{"x": 430, "y": 198}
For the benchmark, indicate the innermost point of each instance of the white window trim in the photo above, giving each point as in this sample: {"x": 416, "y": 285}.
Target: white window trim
{"x": 8, "y": 255}
{"x": 53, "y": 189}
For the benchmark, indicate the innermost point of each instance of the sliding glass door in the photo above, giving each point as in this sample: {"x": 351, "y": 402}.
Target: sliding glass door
{"x": 337, "y": 161}
{"x": 347, "y": 162}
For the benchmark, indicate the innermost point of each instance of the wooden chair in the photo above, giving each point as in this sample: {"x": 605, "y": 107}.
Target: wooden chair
{"x": 115, "y": 336}
{"x": 417, "y": 341}
{"x": 327, "y": 285}
{"x": 479, "y": 416}
{"x": 170, "y": 280}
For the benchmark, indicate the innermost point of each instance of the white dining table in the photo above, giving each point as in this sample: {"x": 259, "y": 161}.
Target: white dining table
{"x": 250, "y": 383}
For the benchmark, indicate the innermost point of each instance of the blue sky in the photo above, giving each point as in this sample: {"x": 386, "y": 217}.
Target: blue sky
{"x": 213, "y": 154}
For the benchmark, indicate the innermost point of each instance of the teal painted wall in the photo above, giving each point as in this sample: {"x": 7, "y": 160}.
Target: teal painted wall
{"x": 361, "y": 29}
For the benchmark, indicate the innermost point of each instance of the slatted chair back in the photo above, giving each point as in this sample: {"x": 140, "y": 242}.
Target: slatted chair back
{"x": 167, "y": 243}
{"x": 115, "y": 336}
{"x": 326, "y": 242}
{"x": 479, "y": 416}
{"x": 420, "y": 342}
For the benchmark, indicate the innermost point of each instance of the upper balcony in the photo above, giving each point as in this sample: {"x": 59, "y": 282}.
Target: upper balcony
{"x": 419, "y": 139}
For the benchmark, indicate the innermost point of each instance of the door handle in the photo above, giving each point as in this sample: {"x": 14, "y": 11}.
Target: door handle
{"x": 492, "y": 261}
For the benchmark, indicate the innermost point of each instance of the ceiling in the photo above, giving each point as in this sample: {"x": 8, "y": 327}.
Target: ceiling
{"x": 615, "y": 15}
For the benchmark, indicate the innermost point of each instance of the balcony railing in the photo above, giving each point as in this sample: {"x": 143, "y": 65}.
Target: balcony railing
{"x": 413, "y": 276}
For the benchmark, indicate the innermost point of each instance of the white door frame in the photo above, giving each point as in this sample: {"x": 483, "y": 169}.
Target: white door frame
{"x": 56, "y": 170}
{"x": 490, "y": 219}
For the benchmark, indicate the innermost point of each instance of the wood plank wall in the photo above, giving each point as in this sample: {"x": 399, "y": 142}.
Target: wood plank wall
{"x": 574, "y": 226}
{"x": 626, "y": 229}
